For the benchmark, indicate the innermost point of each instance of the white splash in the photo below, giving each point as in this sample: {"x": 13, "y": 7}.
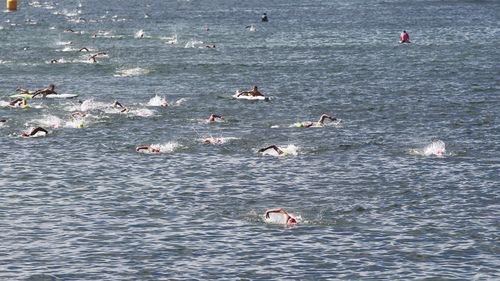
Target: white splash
{"x": 436, "y": 148}
{"x": 193, "y": 44}
{"x": 49, "y": 121}
{"x": 137, "y": 71}
{"x": 139, "y": 34}
{"x": 168, "y": 147}
{"x": 170, "y": 40}
{"x": 142, "y": 112}
{"x": 157, "y": 101}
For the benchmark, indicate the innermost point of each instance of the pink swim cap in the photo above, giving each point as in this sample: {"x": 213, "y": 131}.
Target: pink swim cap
{"x": 291, "y": 220}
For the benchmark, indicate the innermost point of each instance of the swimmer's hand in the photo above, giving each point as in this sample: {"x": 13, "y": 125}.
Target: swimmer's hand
{"x": 267, "y": 215}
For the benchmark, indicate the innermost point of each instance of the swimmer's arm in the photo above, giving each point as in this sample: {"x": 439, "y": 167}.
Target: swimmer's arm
{"x": 277, "y": 210}
{"x": 23, "y": 90}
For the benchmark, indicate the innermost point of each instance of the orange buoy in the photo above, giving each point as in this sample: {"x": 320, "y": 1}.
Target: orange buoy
{"x": 11, "y": 5}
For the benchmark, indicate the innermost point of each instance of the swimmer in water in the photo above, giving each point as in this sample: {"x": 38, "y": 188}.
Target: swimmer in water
{"x": 319, "y": 123}
{"x": 78, "y": 114}
{"x": 34, "y": 132}
{"x": 23, "y": 91}
{"x": 119, "y": 105}
{"x": 264, "y": 17}
{"x": 147, "y": 148}
{"x": 44, "y": 92}
{"x": 277, "y": 149}
{"x": 254, "y": 92}
{"x": 93, "y": 57}
{"x": 404, "y": 37}
{"x": 84, "y": 49}
{"x": 212, "y": 140}
{"x": 20, "y": 102}
{"x": 287, "y": 217}
{"x": 213, "y": 118}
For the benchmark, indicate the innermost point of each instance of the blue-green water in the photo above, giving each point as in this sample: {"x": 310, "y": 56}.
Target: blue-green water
{"x": 372, "y": 201}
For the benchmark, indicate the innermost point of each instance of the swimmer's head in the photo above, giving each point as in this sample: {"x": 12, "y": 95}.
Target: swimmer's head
{"x": 52, "y": 87}
{"x": 255, "y": 88}
{"x": 291, "y": 220}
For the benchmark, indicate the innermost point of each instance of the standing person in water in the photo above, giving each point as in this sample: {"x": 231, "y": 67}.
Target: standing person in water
{"x": 404, "y": 37}
{"x": 47, "y": 91}
{"x": 254, "y": 92}
{"x": 286, "y": 216}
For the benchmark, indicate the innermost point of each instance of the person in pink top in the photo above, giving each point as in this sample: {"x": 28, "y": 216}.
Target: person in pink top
{"x": 404, "y": 37}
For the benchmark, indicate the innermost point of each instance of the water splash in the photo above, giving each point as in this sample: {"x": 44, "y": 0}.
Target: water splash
{"x": 139, "y": 34}
{"x": 157, "y": 101}
{"x": 130, "y": 72}
{"x": 436, "y": 147}
{"x": 168, "y": 147}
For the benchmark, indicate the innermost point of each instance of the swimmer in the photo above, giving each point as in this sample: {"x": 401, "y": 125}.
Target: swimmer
{"x": 213, "y": 118}
{"x": 264, "y": 17}
{"x": 253, "y": 92}
{"x": 23, "y": 91}
{"x": 287, "y": 217}
{"x": 3, "y": 120}
{"x": 212, "y": 140}
{"x": 78, "y": 115}
{"x": 277, "y": 149}
{"x": 84, "y": 49}
{"x": 119, "y": 105}
{"x": 44, "y": 92}
{"x": 319, "y": 123}
{"x": 54, "y": 61}
{"x": 34, "y": 132}
{"x": 22, "y": 103}
{"x": 93, "y": 57}
{"x": 404, "y": 37}
{"x": 210, "y": 46}
{"x": 147, "y": 148}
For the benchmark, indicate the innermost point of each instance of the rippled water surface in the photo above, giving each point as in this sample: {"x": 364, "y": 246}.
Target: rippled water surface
{"x": 404, "y": 185}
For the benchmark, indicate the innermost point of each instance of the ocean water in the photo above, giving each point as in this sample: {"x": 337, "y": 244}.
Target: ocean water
{"x": 404, "y": 185}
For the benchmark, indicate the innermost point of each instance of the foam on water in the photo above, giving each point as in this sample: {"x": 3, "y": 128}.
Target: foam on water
{"x": 49, "y": 121}
{"x": 139, "y": 34}
{"x": 435, "y": 148}
{"x": 167, "y": 147}
{"x": 130, "y": 72}
{"x": 142, "y": 112}
{"x": 157, "y": 101}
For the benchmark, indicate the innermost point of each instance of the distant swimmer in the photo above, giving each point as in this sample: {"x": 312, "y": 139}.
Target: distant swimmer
{"x": 287, "y": 218}
{"x": 264, "y": 17}
{"x": 119, "y": 105}
{"x": 404, "y": 37}
{"x": 78, "y": 114}
{"x": 275, "y": 148}
{"x": 46, "y": 91}
{"x": 54, "y": 61}
{"x": 147, "y": 148}
{"x": 210, "y": 46}
{"x": 93, "y": 57}
{"x": 254, "y": 92}
{"x": 20, "y": 102}
{"x": 34, "y": 132}
{"x": 84, "y": 49}
{"x": 308, "y": 124}
{"x": 212, "y": 140}
{"x": 214, "y": 117}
